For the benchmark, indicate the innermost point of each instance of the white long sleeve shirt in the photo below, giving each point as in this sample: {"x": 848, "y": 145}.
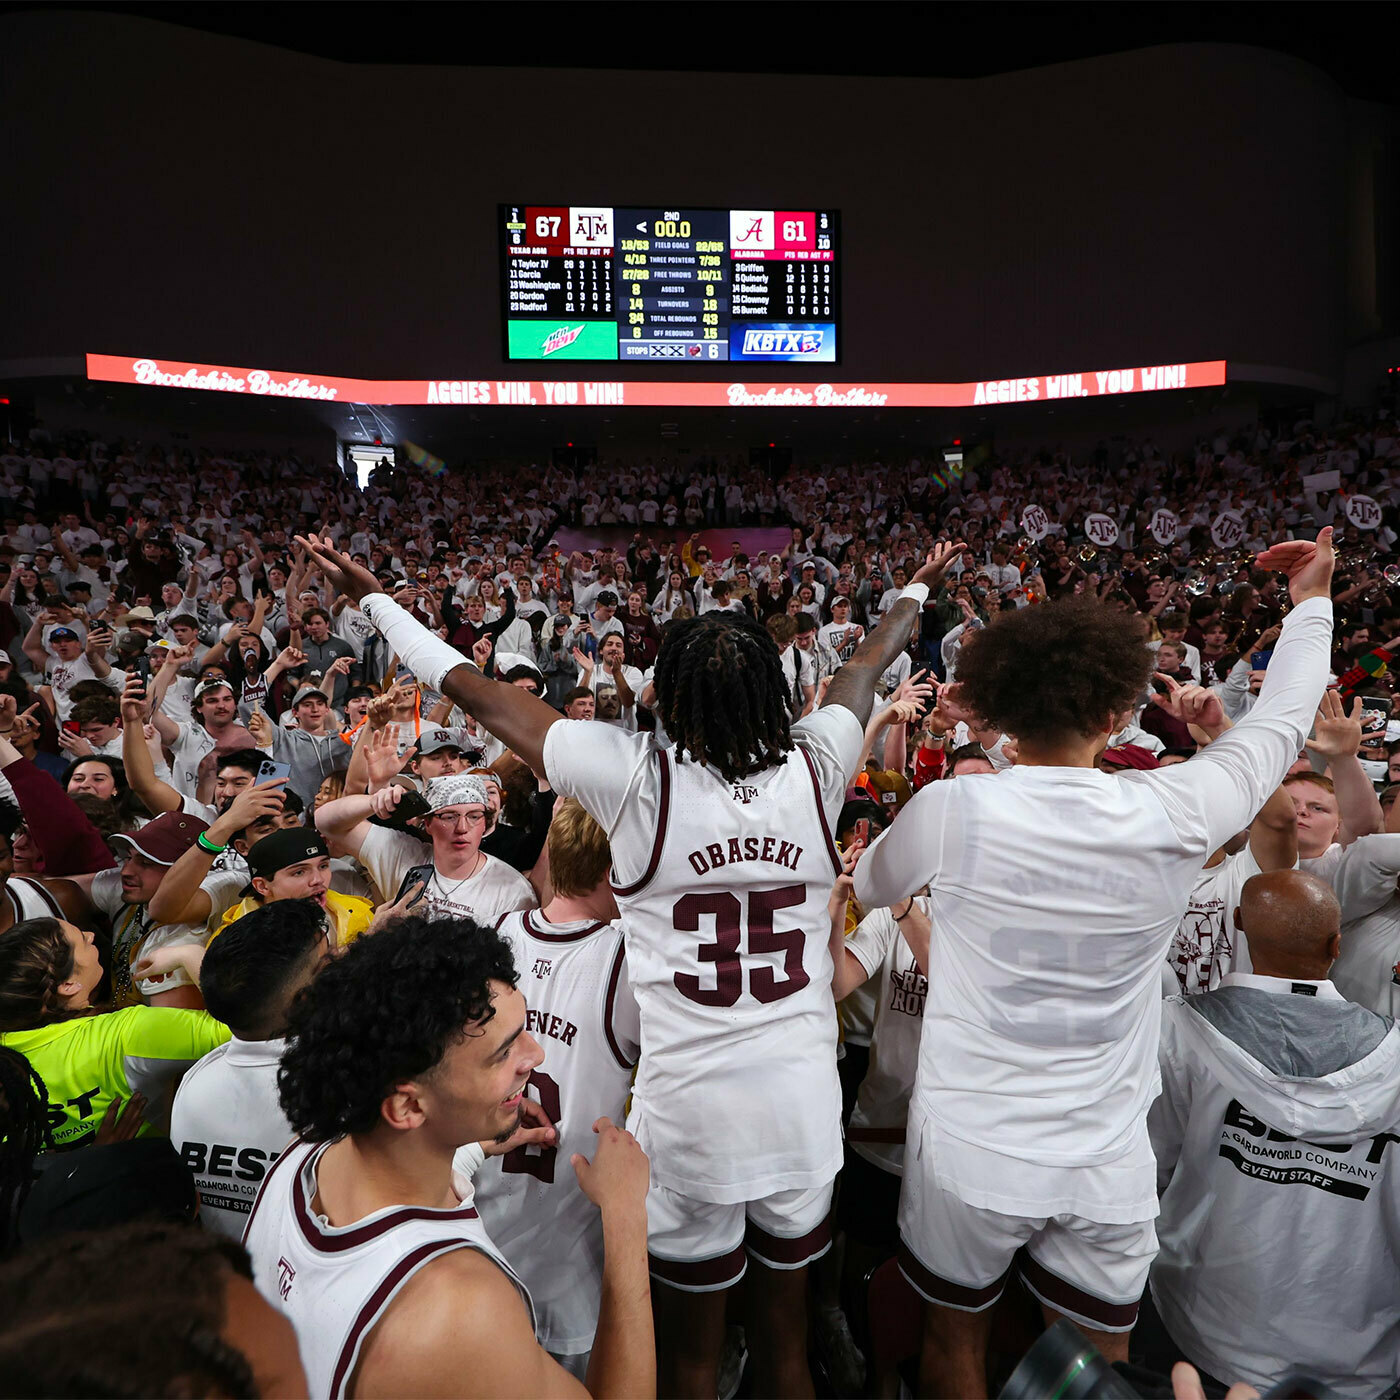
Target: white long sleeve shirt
{"x": 1055, "y": 892}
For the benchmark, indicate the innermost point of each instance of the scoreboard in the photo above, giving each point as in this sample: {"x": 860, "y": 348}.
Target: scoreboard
{"x": 587, "y": 282}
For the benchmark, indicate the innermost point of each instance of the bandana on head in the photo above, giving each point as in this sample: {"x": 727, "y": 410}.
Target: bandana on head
{"x": 456, "y": 790}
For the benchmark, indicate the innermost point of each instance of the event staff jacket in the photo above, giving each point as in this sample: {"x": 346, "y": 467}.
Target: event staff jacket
{"x": 87, "y": 1061}
{"x": 1277, "y": 1137}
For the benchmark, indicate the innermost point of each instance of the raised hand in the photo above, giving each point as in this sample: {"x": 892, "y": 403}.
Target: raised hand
{"x": 289, "y": 658}
{"x": 845, "y": 881}
{"x": 938, "y": 563}
{"x": 25, "y": 723}
{"x": 1193, "y": 704}
{"x": 900, "y": 712}
{"x": 1335, "y": 733}
{"x": 382, "y": 757}
{"x": 387, "y": 913}
{"x": 383, "y": 802}
{"x": 343, "y": 574}
{"x": 951, "y": 706}
{"x": 133, "y": 700}
{"x": 256, "y": 802}
{"x": 381, "y": 708}
{"x": 1308, "y": 565}
{"x": 481, "y": 651}
{"x": 339, "y": 667}
{"x": 261, "y": 728}
{"x": 74, "y": 744}
{"x": 584, "y": 660}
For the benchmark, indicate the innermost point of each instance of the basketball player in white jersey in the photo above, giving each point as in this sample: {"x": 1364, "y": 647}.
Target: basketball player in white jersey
{"x": 1055, "y": 890}
{"x": 406, "y": 1046}
{"x": 579, "y": 1005}
{"x": 722, "y": 863}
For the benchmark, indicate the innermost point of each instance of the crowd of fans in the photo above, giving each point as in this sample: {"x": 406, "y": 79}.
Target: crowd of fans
{"x": 254, "y": 846}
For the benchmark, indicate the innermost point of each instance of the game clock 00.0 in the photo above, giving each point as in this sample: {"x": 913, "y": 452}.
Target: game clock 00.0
{"x": 596, "y": 282}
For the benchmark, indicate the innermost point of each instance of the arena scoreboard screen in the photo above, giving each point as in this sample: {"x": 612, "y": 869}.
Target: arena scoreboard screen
{"x": 682, "y": 285}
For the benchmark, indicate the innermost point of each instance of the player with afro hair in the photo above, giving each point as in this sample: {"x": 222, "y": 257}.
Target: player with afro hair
{"x": 1047, "y": 673}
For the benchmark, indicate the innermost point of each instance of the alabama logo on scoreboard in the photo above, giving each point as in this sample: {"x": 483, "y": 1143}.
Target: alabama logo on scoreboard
{"x": 810, "y": 342}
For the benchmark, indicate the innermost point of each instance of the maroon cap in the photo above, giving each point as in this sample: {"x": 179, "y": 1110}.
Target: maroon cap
{"x": 1130, "y": 756}
{"x": 167, "y": 838}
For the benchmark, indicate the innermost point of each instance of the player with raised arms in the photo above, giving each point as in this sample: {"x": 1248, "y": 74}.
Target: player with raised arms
{"x": 722, "y": 863}
{"x": 1055, "y": 890}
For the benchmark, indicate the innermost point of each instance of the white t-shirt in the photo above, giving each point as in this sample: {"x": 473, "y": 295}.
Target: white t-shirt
{"x": 600, "y": 680}
{"x": 799, "y": 671}
{"x": 1206, "y": 944}
{"x": 186, "y": 754}
{"x": 1363, "y": 876}
{"x": 876, "y": 1130}
{"x": 62, "y": 676}
{"x": 134, "y": 936}
{"x": 842, "y": 637}
{"x": 228, "y": 1126}
{"x": 354, "y": 627}
{"x": 1055, "y": 893}
{"x": 495, "y": 888}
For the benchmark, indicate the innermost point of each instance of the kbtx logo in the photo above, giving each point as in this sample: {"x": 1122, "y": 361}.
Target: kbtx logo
{"x": 783, "y": 342}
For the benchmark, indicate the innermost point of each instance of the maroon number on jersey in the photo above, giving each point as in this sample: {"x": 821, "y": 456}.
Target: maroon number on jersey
{"x": 537, "y": 1161}
{"x": 726, "y": 911}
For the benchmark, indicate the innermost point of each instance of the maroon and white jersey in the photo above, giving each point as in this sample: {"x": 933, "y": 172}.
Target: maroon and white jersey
{"x": 334, "y": 1283}
{"x": 580, "y": 1007}
{"x": 723, "y": 890}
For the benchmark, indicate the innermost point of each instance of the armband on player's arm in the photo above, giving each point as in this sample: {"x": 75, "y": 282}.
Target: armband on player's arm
{"x": 427, "y": 656}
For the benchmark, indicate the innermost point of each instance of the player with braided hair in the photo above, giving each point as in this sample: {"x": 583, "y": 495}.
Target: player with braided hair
{"x": 24, "y": 1133}
{"x": 722, "y": 864}
{"x": 721, "y": 694}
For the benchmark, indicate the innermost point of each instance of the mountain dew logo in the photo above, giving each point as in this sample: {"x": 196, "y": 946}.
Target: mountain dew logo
{"x": 557, "y": 340}
{"x": 562, "y": 340}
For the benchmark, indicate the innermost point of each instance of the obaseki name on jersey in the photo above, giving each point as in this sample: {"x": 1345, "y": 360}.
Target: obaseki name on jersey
{"x": 773, "y": 849}
{"x": 783, "y": 342}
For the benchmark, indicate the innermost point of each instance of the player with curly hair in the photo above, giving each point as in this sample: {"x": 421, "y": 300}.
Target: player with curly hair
{"x": 1055, "y": 889}
{"x": 408, "y": 1045}
{"x": 722, "y": 864}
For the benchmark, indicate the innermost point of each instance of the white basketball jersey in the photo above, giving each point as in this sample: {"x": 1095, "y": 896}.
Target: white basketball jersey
{"x": 335, "y": 1283}
{"x": 581, "y": 1009}
{"x": 728, "y": 951}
